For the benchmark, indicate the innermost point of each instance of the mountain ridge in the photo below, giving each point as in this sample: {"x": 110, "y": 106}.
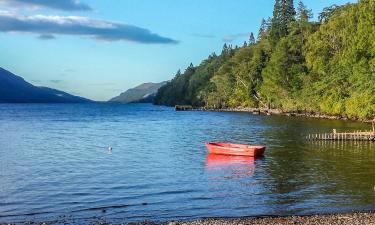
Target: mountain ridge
{"x": 143, "y": 93}
{"x": 14, "y": 89}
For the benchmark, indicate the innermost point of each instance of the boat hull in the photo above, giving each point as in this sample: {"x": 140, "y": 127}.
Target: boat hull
{"x": 235, "y": 149}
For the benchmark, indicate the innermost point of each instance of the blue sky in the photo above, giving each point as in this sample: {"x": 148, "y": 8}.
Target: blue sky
{"x": 97, "y": 49}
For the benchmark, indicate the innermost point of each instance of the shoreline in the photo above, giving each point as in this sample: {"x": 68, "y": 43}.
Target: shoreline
{"x": 351, "y": 218}
{"x": 264, "y": 111}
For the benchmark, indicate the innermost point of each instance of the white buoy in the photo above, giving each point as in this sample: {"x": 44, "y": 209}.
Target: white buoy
{"x": 110, "y": 148}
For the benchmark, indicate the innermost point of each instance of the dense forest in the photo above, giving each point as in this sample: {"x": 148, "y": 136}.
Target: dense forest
{"x": 295, "y": 64}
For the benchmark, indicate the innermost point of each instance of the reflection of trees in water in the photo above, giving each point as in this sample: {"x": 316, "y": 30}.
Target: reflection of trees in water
{"x": 317, "y": 173}
{"x": 297, "y": 174}
{"x": 350, "y": 168}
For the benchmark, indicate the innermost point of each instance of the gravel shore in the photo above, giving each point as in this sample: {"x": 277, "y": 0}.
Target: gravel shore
{"x": 336, "y": 219}
{"x": 363, "y": 218}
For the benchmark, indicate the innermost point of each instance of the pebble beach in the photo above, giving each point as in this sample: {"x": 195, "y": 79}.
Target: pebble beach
{"x": 337, "y": 219}
{"x": 357, "y": 218}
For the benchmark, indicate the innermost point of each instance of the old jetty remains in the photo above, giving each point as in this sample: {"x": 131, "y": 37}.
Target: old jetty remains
{"x": 183, "y": 107}
{"x": 345, "y": 136}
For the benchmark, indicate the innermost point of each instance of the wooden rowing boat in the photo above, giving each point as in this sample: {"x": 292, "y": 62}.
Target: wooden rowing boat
{"x": 235, "y": 149}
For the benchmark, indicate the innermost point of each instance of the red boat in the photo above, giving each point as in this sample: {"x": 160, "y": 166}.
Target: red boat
{"x": 235, "y": 149}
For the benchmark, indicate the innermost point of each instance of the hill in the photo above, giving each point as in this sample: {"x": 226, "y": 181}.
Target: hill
{"x": 14, "y": 89}
{"x": 144, "y": 93}
{"x": 295, "y": 64}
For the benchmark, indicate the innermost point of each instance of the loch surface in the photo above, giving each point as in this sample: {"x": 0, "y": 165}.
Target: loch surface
{"x": 55, "y": 165}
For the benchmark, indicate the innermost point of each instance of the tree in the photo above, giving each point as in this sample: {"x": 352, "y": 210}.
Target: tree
{"x": 328, "y": 12}
{"x": 303, "y": 13}
{"x": 283, "y": 15}
{"x": 262, "y": 29}
{"x": 225, "y": 49}
{"x": 340, "y": 58}
{"x": 252, "y": 39}
{"x": 276, "y": 24}
{"x": 289, "y": 11}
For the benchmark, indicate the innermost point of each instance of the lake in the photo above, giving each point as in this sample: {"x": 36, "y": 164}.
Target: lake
{"x": 55, "y": 165}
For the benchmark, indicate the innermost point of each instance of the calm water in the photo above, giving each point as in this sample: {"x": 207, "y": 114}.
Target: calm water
{"x": 54, "y": 165}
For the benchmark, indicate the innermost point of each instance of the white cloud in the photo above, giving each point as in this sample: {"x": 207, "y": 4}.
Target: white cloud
{"x": 67, "y": 5}
{"x": 47, "y": 27}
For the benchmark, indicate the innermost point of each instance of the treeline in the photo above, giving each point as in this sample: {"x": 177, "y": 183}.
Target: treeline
{"x": 294, "y": 65}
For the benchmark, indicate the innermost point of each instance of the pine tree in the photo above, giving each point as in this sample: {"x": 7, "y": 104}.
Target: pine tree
{"x": 244, "y": 44}
{"x": 290, "y": 12}
{"x": 283, "y": 14}
{"x": 268, "y": 23}
{"x": 262, "y": 29}
{"x": 231, "y": 50}
{"x": 303, "y": 14}
{"x": 252, "y": 39}
{"x": 276, "y": 24}
{"x": 225, "y": 49}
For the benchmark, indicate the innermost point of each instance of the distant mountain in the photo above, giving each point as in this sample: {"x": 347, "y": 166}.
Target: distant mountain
{"x": 14, "y": 89}
{"x": 144, "y": 93}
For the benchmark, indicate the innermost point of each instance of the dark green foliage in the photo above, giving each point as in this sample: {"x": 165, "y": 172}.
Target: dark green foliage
{"x": 294, "y": 65}
{"x": 283, "y": 14}
{"x": 341, "y": 59}
{"x": 187, "y": 88}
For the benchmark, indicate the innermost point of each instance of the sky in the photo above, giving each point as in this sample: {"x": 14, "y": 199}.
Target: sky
{"x": 100, "y": 48}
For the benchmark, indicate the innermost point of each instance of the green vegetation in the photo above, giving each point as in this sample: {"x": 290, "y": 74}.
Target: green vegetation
{"x": 294, "y": 65}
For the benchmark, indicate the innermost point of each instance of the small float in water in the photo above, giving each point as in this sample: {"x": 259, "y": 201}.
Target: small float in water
{"x": 222, "y": 148}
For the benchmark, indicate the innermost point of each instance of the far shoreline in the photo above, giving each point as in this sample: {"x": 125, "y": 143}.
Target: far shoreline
{"x": 265, "y": 111}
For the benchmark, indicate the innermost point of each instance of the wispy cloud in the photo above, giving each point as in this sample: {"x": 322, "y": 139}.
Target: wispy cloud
{"x": 46, "y": 37}
{"x": 103, "y": 84}
{"x": 203, "y": 35}
{"x": 49, "y": 26}
{"x": 56, "y": 81}
{"x": 232, "y": 37}
{"x": 67, "y": 5}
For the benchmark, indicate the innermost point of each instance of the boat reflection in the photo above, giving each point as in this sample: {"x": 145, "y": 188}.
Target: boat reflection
{"x": 230, "y": 167}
